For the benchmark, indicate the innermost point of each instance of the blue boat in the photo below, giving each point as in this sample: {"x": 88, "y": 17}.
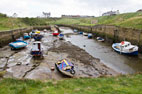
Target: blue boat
{"x": 61, "y": 36}
{"x": 38, "y": 37}
{"x": 80, "y": 32}
{"x": 26, "y": 36}
{"x": 18, "y": 44}
{"x": 90, "y": 35}
{"x": 125, "y": 48}
{"x": 65, "y": 67}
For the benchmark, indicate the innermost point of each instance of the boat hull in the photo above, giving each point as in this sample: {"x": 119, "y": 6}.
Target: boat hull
{"x": 64, "y": 72}
{"x": 18, "y": 45}
{"x": 134, "y": 53}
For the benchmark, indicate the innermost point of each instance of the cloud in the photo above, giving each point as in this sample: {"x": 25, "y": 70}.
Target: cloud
{"x": 33, "y": 8}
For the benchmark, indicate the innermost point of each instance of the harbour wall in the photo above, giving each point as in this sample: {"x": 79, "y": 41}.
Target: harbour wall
{"x": 9, "y": 36}
{"x": 113, "y": 33}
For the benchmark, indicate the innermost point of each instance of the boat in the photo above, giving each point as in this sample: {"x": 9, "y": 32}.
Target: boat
{"x": 18, "y": 44}
{"x": 125, "y": 47}
{"x": 90, "y": 36}
{"x": 61, "y": 36}
{"x": 37, "y": 50}
{"x": 32, "y": 33}
{"x": 100, "y": 39}
{"x": 55, "y": 33}
{"x": 65, "y": 67}
{"x": 85, "y": 34}
{"x": 45, "y": 30}
{"x": 38, "y": 37}
{"x": 75, "y": 30}
{"x": 26, "y": 36}
{"x": 80, "y": 32}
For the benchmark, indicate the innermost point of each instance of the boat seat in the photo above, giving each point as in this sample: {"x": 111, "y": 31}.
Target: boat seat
{"x": 67, "y": 67}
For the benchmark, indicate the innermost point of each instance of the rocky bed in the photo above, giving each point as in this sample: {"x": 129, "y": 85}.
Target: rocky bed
{"x": 20, "y": 64}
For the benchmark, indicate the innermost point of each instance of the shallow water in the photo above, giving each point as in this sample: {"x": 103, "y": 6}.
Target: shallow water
{"x": 120, "y": 63}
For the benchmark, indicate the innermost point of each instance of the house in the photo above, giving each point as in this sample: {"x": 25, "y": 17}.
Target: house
{"x": 110, "y": 13}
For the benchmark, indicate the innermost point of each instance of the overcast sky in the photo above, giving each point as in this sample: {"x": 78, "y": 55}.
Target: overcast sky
{"x": 34, "y": 8}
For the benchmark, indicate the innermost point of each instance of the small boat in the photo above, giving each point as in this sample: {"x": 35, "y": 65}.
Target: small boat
{"x": 26, "y": 36}
{"x": 32, "y": 33}
{"x": 125, "y": 48}
{"x": 90, "y": 36}
{"x": 100, "y": 39}
{"x": 75, "y": 30}
{"x": 38, "y": 37}
{"x": 65, "y": 67}
{"x": 85, "y": 34}
{"x": 80, "y": 33}
{"x": 37, "y": 50}
{"x": 61, "y": 36}
{"x": 45, "y": 30}
{"x": 18, "y": 44}
{"x": 55, "y": 33}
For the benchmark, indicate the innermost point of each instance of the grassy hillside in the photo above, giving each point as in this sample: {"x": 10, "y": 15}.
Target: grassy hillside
{"x": 130, "y": 20}
{"x": 114, "y": 85}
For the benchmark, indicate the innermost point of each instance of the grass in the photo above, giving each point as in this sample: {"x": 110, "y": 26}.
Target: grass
{"x": 131, "y": 84}
{"x": 129, "y": 20}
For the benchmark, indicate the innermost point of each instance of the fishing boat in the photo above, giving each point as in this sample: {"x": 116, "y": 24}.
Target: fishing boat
{"x": 65, "y": 67}
{"x": 26, "y": 36}
{"x": 37, "y": 50}
{"x": 45, "y": 30}
{"x": 100, "y": 39}
{"x": 125, "y": 47}
{"x": 85, "y": 34}
{"x": 55, "y": 33}
{"x": 90, "y": 36}
{"x": 61, "y": 36}
{"x": 18, "y": 44}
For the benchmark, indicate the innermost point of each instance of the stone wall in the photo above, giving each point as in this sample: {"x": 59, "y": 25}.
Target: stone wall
{"x": 113, "y": 33}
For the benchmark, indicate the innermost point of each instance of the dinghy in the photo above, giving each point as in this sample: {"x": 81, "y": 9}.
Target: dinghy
{"x": 65, "y": 67}
{"x": 85, "y": 34}
{"x": 75, "y": 31}
{"x": 55, "y": 33}
{"x": 18, "y": 44}
{"x": 125, "y": 48}
{"x": 37, "y": 50}
{"x": 61, "y": 36}
{"x": 100, "y": 39}
{"x": 38, "y": 37}
{"x": 26, "y": 36}
{"x": 90, "y": 36}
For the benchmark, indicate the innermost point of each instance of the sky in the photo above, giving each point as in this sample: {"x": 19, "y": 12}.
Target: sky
{"x": 34, "y": 8}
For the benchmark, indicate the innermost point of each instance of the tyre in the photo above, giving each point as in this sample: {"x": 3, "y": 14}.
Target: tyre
{"x": 72, "y": 72}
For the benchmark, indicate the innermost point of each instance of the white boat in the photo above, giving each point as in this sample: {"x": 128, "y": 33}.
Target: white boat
{"x": 100, "y": 39}
{"x": 37, "y": 49}
{"x": 125, "y": 47}
{"x": 85, "y": 34}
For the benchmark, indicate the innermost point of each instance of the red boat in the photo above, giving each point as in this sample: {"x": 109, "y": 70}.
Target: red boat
{"x": 55, "y": 33}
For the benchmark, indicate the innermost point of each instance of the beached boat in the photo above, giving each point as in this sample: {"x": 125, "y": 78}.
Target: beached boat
{"x": 65, "y": 67}
{"x": 100, "y": 39}
{"x": 125, "y": 48}
{"x": 18, "y": 44}
{"x": 90, "y": 35}
{"x": 55, "y": 33}
{"x": 26, "y": 36}
{"x": 37, "y": 50}
{"x": 38, "y": 37}
{"x": 61, "y": 36}
{"x": 85, "y": 34}
{"x": 80, "y": 32}
{"x": 75, "y": 30}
